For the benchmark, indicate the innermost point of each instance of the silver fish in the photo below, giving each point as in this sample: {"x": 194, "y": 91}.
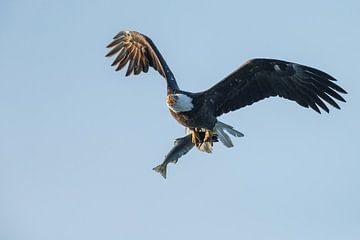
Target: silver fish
{"x": 182, "y": 146}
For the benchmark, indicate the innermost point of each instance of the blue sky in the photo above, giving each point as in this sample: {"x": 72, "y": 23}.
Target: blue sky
{"x": 78, "y": 141}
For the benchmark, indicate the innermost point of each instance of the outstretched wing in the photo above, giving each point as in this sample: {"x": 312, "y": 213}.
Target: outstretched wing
{"x": 258, "y": 79}
{"x": 138, "y": 50}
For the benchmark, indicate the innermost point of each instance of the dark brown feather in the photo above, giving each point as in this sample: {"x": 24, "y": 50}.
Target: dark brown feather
{"x": 262, "y": 78}
{"x": 134, "y": 48}
{"x": 120, "y": 56}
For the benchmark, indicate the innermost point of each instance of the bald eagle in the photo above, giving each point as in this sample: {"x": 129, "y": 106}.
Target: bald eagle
{"x": 255, "y": 80}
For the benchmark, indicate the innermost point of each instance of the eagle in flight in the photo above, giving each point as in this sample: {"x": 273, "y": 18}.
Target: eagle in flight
{"x": 255, "y": 80}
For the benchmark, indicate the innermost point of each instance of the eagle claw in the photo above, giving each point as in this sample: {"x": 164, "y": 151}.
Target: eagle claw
{"x": 203, "y": 139}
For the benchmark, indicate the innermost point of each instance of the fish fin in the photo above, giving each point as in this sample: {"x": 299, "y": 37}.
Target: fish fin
{"x": 161, "y": 169}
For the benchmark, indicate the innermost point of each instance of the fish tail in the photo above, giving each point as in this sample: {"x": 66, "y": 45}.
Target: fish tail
{"x": 161, "y": 169}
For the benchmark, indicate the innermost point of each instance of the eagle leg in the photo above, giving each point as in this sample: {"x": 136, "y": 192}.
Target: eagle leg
{"x": 208, "y": 136}
{"x": 195, "y": 137}
{"x": 207, "y": 141}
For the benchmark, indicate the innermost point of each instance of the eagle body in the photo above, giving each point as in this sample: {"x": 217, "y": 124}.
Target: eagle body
{"x": 200, "y": 116}
{"x": 255, "y": 80}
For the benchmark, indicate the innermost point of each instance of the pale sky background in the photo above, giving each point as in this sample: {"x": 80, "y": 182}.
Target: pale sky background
{"x": 78, "y": 141}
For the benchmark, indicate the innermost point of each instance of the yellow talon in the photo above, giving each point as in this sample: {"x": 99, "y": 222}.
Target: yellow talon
{"x": 203, "y": 139}
{"x": 208, "y": 136}
{"x": 195, "y": 137}
{"x": 206, "y": 142}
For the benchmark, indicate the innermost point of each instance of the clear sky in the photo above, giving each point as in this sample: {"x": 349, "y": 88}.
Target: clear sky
{"x": 78, "y": 141}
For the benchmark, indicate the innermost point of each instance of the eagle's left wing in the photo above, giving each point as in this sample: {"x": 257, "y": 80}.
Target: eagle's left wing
{"x": 138, "y": 50}
{"x": 262, "y": 78}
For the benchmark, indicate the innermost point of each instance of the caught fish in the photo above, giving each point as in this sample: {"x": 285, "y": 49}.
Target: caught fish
{"x": 182, "y": 146}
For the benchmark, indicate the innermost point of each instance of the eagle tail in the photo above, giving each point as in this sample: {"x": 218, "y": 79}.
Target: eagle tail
{"x": 221, "y": 128}
{"x": 161, "y": 169}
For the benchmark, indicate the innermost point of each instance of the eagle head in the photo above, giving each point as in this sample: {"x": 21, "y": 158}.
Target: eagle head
{"x": 179, "y": 102}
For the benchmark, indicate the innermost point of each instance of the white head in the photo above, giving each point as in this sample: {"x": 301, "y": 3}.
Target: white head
{"x": 179, "y": 102}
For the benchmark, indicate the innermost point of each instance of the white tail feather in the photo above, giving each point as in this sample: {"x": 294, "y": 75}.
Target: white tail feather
{"x": 220, "y": 129}
{"x": 223, "y": 137}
